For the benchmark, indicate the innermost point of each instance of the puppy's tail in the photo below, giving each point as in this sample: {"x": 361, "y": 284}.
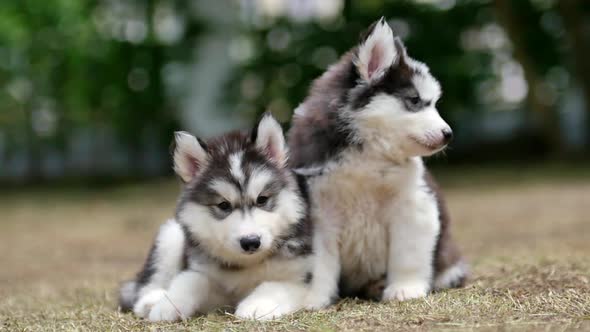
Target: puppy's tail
{"x": 452, "y": 277}
{"x": 165, "y": 260}
{"x": 127, "y": 295}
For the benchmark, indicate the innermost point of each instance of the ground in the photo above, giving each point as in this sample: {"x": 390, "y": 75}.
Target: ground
{"x": 525, "y": 231}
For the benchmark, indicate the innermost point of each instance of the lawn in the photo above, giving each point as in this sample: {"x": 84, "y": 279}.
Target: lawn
{"x": 526, "y": 233}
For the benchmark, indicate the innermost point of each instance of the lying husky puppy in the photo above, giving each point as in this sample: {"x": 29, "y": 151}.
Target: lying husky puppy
{"x": 241, "y": 237}
{"x": 359, "y": 137}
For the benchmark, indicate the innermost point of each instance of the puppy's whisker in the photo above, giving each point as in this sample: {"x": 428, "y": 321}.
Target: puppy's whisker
{"x": 175, "y": 307}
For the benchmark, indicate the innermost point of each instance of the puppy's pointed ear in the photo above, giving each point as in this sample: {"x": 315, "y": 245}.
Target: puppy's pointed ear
{"x": 268, "y": 138}
{"x": 400, "y": 50}
{"x": 376, "y": 52}
{"x": 190, "y": 156}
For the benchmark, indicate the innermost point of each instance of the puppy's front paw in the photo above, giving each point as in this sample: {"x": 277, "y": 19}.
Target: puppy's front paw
{"x": 317, "y": 301}
{"x": 260, "y": 308}
{"x": 164, "y": 310}
{"x": 144, "y": 305}
{"x": 405, "y": 291}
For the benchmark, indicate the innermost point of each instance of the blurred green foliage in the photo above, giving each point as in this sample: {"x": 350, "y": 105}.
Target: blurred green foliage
{"x": 60, "y": 73}
{"x": 69, "y": 66}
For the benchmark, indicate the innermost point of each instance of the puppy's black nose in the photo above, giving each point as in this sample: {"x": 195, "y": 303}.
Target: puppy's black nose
{"x": 447, "y": 135}
{"x": 250, "y": 243}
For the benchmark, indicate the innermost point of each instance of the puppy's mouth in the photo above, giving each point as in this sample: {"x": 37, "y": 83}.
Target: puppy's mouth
{"x": 431, "y": 147}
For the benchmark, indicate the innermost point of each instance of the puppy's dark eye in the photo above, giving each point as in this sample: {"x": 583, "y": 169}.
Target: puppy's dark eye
{"x": 414, "y": 101}
{"x": 261, "y": 200}
{"x": 224, "y": 206}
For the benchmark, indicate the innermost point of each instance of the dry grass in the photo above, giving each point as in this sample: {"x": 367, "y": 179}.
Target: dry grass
{"x": 64, "y": 252}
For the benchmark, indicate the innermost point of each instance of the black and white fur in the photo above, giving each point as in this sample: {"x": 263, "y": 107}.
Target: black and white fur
{"x": 359, "y": 137}
{"x": 241, "y": 236}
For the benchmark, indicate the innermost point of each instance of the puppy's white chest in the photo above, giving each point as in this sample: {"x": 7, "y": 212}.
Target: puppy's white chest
{"x": 356, "y": 199}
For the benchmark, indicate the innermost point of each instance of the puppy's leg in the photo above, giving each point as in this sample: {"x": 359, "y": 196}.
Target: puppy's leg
{"x": 273, "y": 299}
{"x": 163, "y": 263}
{"x": 326, "y": 268}
{"x": 188, "y": 293}
{"x": 412, "y": 239}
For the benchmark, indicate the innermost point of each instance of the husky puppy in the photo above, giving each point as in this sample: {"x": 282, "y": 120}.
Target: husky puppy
{"x": 359, "y": 137}
{"x": 241, "y": 236}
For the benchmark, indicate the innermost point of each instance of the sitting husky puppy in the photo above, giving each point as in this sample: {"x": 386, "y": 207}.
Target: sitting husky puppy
{"x": 242, "y": 233}
{"x": 359, "y": 137}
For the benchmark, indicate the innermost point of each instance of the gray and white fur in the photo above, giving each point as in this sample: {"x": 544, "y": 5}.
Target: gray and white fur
{"x": 241, "y": 237}
{"x": 359, "y": 137}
